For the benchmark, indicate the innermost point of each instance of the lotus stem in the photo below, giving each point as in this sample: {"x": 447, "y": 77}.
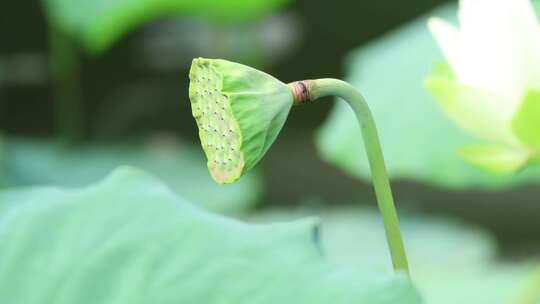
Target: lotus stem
{"x": 310, "y": 90}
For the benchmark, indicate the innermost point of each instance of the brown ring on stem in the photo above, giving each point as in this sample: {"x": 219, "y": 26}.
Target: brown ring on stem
{"x": 300, "y": 91}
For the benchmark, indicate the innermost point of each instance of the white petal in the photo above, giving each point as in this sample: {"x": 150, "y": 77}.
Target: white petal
{"x": 447, "y": 37}
{"x": 501, "y": 48}
{"x": 489, "y": 54}
{"x": 496, "y": 50}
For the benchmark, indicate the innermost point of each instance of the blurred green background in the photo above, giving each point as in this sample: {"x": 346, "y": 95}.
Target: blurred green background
{"x": 136, "y": 91}
{"x": 86, "y": 86}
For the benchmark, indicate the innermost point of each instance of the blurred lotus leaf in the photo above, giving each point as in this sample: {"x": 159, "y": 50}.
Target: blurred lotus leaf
{"x": 181, "y": 166}
{"x": 99, "y": 23}
{"x": 450, "y": 262}
{"x": 129, "y": 239}
{"x": 420, "y": 143}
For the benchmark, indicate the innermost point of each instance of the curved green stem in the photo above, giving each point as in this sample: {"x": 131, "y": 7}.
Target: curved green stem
{"x": 334, "y": 87}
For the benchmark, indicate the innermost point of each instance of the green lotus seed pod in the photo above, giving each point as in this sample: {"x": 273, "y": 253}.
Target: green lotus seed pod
{"x": 239, "y": 111}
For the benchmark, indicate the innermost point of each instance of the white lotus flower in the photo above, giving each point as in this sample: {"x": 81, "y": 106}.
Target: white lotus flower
{"x": 493, "y": 88}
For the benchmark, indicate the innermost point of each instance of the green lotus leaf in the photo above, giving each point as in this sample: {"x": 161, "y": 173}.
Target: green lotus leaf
{"x": 129, "y": 239}
{"x": 451, "y": 262}
{"x": 239, "y": 111}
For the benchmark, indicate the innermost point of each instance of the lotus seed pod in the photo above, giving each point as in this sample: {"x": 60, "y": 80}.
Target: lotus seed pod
{"x": 239, "y": 112}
